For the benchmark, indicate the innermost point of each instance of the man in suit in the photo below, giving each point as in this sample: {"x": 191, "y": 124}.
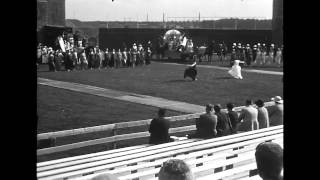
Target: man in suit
{"x": 248, "y": 118}
{"x": 159, "y": 129}
{"x": 224, "y": 126}
{"x": 276, "y": 111}
{"x": 206, "y": 124}
{"x": 233, "y": 116}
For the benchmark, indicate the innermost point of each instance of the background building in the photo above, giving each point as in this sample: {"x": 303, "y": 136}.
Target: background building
{"x": 277, "y": 21}
{"x": 50, "y": 13}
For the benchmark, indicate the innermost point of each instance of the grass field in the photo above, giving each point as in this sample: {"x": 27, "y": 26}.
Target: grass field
{"x": 60, "y": 109}
{"x": 166, "y": 81}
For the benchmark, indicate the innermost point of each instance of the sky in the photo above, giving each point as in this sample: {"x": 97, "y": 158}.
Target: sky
{"x": 141, "y": 10}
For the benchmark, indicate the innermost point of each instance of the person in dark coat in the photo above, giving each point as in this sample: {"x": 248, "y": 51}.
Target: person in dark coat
{"x": 91, "y": 59}
{"x": 68, "y": 61}
{"x": 233, "y": 116}
{"x": 191, "y": 71}
{"x": 206, "y": 125}
{"x": 159, "y": 129}
{"x": 224, "y": 126}
{"x": 51, "y": 63}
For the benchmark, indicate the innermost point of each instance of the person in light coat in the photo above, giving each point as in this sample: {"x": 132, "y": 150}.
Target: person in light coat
{"x": 235, "y": 70}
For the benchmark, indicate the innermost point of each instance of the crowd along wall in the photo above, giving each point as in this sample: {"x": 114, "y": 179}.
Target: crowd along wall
{"x": 121, "y": 37}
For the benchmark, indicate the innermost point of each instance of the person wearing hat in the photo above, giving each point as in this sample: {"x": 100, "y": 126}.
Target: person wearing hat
{"x": 206, "y": 124}
{"x": 248, "y": 118}
{"x": 263, "y": 116}
{"x": 276, "y": 111}
{"x": 264, "y": 53}
{"x": 248, "y": 55}
{"x": 254, "y": 53}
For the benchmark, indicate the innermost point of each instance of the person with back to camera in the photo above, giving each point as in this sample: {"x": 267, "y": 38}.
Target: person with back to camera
{"x": 175, "y": 169}
{"x": 248, "y": 118}
{"x": 159, "y": 129}
{"x": 263, "y": 116}
{"x": 269, "y": 159}
{"x": 224, "y": 126}
{"x": 206, "y": 124}
{"x": 276, "y": 111}
{"x": 233, "y": 116}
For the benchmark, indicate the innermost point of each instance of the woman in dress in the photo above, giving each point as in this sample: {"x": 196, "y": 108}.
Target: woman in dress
{"x": 278, "y": 57}
{"x": 235, "y": 70}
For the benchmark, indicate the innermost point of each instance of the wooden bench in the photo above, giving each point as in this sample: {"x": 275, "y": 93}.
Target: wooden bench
{"x": 142, "y": 159}
{"x": 102, "y": 155}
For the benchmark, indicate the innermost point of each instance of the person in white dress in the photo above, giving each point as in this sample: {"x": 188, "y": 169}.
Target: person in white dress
{"x": 235, "y": 70}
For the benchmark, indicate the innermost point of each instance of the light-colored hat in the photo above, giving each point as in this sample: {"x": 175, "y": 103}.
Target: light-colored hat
{"x": 272, "y": 44}
{"x": 277, "y": 99}
{"x": 255, "y": 45}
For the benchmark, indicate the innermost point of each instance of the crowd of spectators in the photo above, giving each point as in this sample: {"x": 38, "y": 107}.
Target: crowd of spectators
{"x": 76, "y": 57}
{"x": 252, "y": 54}
{"x": 219, "y": 123}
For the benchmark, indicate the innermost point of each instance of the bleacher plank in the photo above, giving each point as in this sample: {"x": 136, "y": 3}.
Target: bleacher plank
{"x": 100, "y": 166}
{"x": 229, "y": 172}
{"x": 108, "y": 140}
{"x": 113, "y": 151}
{"x": 149, "y": 148}
{"x": 188, "y": 157}
{"x": 105, "y": 155}
{"x": 156, "y": 149}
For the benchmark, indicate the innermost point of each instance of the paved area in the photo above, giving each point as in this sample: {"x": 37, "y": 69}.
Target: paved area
{"x": 124, "y": 96}
{"x": 243, "y": 70}
{"x": 130, "y": 97}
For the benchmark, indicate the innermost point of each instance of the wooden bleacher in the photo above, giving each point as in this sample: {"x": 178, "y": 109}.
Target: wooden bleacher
{"x": 114, "y": 128}
{"x": 228, "y": 157}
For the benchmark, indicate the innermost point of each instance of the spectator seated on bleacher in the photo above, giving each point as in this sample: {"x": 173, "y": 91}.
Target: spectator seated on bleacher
{"x": 263, "y": 116}
{"x": 206, "y": 124}
{"x": 233, "y": 116}
{"x": 105, "y": 176}
{"x": 224, "y": 126}
{"x": 269, "y": 159}
{"x": 175, "y": 169}
{"x": 248, "y": 118}
{"x": 159, "y": 129}
{"x": 276, "y": 112}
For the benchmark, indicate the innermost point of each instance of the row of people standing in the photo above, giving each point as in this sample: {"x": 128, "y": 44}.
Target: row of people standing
{"x": 94, "y": 58}
{"x": 258, "y": 54}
